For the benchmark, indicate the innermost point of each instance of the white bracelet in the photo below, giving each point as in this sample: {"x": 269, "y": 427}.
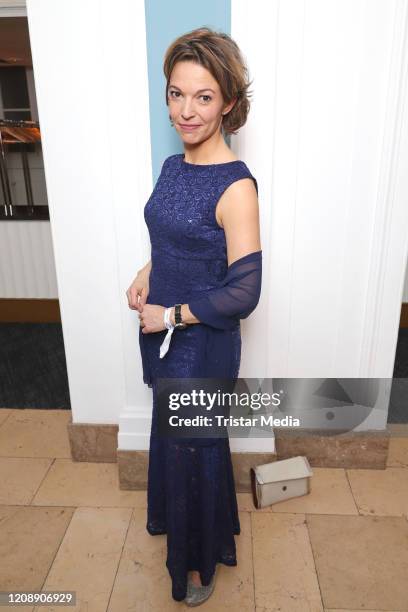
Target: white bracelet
{"x": 164, "y": 347}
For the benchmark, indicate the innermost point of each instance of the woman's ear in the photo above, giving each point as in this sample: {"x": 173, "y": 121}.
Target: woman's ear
{"x": 229, "y": 107}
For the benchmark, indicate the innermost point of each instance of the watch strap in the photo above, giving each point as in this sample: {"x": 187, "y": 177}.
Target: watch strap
{"x": 177, "y": 313}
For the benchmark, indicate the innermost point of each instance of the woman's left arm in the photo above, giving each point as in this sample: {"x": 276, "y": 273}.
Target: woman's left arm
{"x": 238, "y": 213}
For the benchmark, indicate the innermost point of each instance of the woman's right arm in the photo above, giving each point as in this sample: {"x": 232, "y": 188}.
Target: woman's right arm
{"x": 146, "y": 269}
{"x": 139, "y": 289}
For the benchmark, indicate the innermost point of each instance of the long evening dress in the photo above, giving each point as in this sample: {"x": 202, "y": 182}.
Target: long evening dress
{"x": 191, "y": 491}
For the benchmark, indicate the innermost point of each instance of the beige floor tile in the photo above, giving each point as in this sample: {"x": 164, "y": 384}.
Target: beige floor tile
{"x": 20, "y": 479}
{"x": 398, "y": 430}
{"x": 344, "y": 610}
{"x": 380, "y": 492}
{"x": 245, "y": 503}
{"x": 88, "y": 558}
{"x": 143, "y": 582}
{"x": 330, "y": 494}
{"x": 71, "y": 483}
{"x": 35, "y": 433}
{"x": 285, "y": 577}
{"x": 361, "y": 561}
{"x": 398, "y": 452}
{"x": 14, "y": 607}
{"x": 29, "y": 539}
{"x": 4, "y": 414}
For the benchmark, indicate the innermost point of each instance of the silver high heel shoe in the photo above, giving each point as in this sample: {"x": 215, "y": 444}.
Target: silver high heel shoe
{"x": 197, "y": 595}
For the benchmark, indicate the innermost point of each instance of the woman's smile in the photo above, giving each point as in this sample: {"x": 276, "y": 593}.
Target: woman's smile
{"x": 188, "y": 127}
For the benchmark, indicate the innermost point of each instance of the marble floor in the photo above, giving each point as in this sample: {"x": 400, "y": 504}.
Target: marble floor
{"x": 66, "y": 525}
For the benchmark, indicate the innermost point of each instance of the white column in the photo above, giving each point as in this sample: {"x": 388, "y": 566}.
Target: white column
{"x": 327, "y": 137}
{"x": 90, "y": 69}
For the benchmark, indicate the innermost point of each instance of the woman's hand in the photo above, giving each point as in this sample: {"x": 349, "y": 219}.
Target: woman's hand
{"x": 152, "y": 318}
{"x": 139, "y": 289}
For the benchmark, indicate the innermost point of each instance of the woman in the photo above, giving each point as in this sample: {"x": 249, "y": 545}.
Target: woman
{"x": 204, "y": 276}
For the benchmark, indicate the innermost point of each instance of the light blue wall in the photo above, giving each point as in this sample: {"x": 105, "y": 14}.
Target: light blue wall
{"x": 165, "y": 21}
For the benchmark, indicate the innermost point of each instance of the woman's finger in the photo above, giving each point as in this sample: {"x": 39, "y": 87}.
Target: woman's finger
{"x": 131, "y": 298}
{"x": 137, "y": 298}
{"x": 139, "y": 306}
{"x": 143, "y": 297}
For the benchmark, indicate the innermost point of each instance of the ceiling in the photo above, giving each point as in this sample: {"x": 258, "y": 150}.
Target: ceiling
{"x": 14, "y": 42}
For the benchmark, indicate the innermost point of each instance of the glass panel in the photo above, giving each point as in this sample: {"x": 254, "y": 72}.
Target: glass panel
{"x": 14, "y": 88}
{"x": 25, "y": 115}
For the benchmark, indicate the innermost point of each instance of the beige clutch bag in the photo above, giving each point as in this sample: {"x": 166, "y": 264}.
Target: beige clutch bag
{"x": 280, "y": 480}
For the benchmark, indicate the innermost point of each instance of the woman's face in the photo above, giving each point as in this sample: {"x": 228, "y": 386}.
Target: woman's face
{"x": 195, "y": 102}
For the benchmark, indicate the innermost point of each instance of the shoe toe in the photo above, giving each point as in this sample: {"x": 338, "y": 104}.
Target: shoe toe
{"x": 198, "y": 594}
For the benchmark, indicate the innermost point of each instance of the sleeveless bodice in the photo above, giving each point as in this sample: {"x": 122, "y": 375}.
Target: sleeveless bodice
{"x": 188, "y": 247}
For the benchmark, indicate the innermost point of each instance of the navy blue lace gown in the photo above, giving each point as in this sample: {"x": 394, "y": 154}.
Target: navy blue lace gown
{"x": 191, "y": 491}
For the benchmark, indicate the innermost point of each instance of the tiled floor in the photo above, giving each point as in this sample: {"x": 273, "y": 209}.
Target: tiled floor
{"x": 66, "y": 525}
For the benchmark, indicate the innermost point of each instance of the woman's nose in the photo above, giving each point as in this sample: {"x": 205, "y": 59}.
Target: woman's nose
{"x": 187, "y": 110}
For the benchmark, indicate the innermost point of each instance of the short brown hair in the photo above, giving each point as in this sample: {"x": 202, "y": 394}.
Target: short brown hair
{"x": 220, "y": 55}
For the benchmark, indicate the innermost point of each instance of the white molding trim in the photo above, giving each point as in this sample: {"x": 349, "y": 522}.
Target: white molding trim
{"x": 134, "y": 429}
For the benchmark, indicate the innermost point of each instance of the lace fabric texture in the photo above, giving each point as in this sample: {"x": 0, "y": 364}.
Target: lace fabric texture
{"x": 191, "y": 491}
{"x": 191, "y": 498}
{"x": 237, "y": 297}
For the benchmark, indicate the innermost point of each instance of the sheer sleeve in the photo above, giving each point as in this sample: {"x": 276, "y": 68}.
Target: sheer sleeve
{"x": 237, "y": 297}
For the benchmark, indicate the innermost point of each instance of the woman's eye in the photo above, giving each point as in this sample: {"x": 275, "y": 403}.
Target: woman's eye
{"x": 206, "y": 98}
